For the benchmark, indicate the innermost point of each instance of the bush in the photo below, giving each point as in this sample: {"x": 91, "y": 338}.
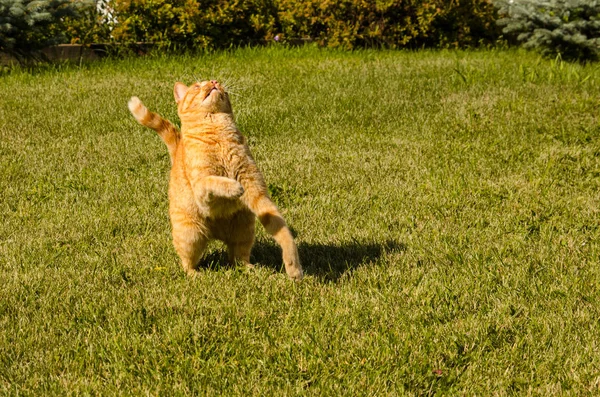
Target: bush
{"x": 391, "y": 24}
{"x": 193, "y": 23}
{"x": 219, "y": 24}
{"x": 570, "y": 28}
{"x": 27, "y": 26}
{"x": 92, "y": 24}
{"x": 345, "y": 23}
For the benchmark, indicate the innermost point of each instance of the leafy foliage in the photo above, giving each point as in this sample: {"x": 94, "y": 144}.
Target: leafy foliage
{"x": 208, "y": 24}
{"x": 392, "y": 24}
{"x": 29, "y": 25}
{"x": 193, "y": 23}
{"x": 92, "y": 24}
{"x": 570, "y": 28}
{"x": 346, "y": 24}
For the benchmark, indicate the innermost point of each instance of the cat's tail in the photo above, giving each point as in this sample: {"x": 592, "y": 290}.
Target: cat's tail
{"x": 165, "y": 129}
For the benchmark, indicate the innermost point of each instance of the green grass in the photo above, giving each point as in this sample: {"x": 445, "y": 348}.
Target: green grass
{"x": 446, "y": 206}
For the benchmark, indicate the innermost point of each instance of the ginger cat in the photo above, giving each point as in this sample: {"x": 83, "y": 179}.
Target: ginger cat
{"x": 215, "y": 188}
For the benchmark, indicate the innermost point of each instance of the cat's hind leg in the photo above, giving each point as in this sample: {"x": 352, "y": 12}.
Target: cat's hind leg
{"x": 190, "y": 244}
{"x": 240, "y": 251}
{"x": 240, "y": 237}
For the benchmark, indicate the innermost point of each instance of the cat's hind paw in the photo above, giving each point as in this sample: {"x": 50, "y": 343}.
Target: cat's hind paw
{"x": 294, "y": 271}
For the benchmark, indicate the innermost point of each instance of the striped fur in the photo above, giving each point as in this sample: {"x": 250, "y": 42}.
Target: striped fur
{"x": 215, "y": 190}
{"x": 165, "y": 129}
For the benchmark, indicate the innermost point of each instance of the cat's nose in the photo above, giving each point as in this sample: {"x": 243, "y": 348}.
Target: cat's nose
{"x": 214, "y": 82}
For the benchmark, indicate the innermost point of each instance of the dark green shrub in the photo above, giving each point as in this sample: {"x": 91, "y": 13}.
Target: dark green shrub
{"x": 26, "y": 26}
{"x": 570, "y": 28}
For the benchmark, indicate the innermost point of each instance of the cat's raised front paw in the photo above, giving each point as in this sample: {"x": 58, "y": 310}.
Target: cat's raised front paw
{"x": 235, "y": 190}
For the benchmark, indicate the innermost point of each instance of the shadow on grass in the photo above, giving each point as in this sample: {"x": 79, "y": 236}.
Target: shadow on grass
{"x": 328, "y": 262}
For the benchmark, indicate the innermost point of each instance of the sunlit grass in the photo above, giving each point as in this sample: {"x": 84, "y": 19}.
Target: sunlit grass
{"x": 446, "y": 206}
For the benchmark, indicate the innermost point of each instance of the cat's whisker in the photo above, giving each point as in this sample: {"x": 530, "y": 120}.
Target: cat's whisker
{"x": 237, "y": 91}
{"x": 231, "y": 86}
{"x": 229, "y": 81}
{"x": 231, "y": 90}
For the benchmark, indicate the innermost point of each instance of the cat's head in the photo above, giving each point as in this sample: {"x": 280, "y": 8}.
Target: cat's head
{"x": 203, "y": 97}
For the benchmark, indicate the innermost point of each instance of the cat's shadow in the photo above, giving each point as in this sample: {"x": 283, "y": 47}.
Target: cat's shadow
{"x": 326, "y": 262}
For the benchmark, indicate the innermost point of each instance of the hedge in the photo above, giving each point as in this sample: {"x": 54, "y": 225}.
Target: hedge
{"x": 342, "y": 23}
{"x": 391, "y": 24}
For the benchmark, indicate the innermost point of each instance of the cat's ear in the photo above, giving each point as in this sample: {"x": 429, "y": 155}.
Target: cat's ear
{"x": 179, "y": 91}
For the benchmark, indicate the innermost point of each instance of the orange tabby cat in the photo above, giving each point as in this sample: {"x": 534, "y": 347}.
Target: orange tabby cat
{"x": 215, "y": 188}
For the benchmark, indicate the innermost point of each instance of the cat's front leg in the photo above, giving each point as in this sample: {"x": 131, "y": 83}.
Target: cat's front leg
{"x": 275, "y": 225}
{"x": 216, "y": 186}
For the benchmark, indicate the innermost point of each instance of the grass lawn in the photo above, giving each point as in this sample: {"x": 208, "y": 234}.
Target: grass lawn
{"x": 446, "y": 207}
